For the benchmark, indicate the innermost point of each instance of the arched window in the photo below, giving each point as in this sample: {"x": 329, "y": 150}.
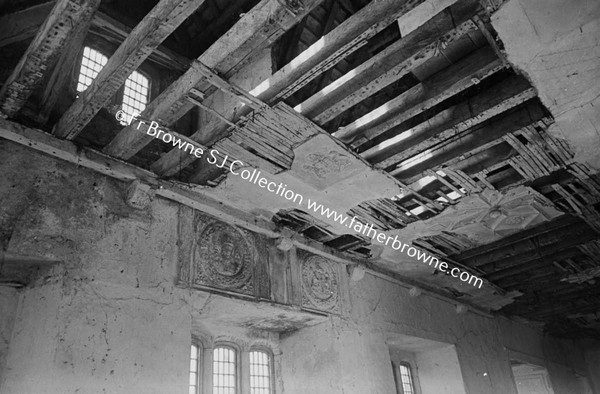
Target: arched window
{"x": 407, "y": 385}
{"x": 260, "y": 372}
{"x": 135, "y": 93}
{"x": 233, "y": 371}
{"x": 195, "y": 369}
{"x": 91, "y": 64}
{"x": 225, "y": 370}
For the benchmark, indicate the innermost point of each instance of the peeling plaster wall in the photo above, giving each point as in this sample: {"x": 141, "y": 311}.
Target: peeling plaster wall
{"x": 556, "y": 44}
{"x": 440, "y": 371}
{"x": 592, "y": 358}
{"x": 311, "y": 361}
{"x": 380, "y": 310}
{"x": 110, "y": 320}
{"x": 9, "y": 299}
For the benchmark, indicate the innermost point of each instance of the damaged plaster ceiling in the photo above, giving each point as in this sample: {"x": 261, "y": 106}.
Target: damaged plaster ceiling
{"x": 409, "y": 116}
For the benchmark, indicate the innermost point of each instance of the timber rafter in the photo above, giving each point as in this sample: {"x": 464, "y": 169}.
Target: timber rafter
{"x": 43, "y": 50}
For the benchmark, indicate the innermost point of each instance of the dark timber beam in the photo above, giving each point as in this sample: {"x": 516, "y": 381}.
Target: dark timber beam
{"x": 256, "y": 30}
{"x": 531, "y": 266}
{"x": 115, "y": 31}
{"x": 451, "y": 122}
{"x": 546, "y": 248}
{"x": 526, "y": 244}
{"x": 58, "y": 81}
{"x": 43, "y": 51}
{"x": 558, "y": 223}
{"x": 423, "y": 96}
{"x": 410, "y": 170}
{"x": 180, "y": 193}
{"x": 383, "y": 69}
{"x": 580, "y": 306}
{"x": 346, "y": 38}
{"x": 23, "y": 24}
{"x": 157, "y": 25}
{"x": 564, "y": 291}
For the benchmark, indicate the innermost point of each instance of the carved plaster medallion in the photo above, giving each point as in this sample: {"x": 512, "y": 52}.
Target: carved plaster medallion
{"x": 322, "y": 165}
{"x": 223, "y": 258}
{"x": 319, "y": 284}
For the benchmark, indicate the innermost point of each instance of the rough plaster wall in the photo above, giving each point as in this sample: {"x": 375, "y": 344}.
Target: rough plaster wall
{"x": 9, "y": 299}
{"x": 336, "y": 358}
{"x": 592, "y": 358}
{"x": 556, "y": 44}
{"x": 311, "y": 361}
{"x": 481, "y": 342}
{"x": 440, "y": 372}
{"x": 110, "y": 320}
{"x": 365, "y": 362}
{"x": 31, "y": 353}
{"x": 564, "y": 380}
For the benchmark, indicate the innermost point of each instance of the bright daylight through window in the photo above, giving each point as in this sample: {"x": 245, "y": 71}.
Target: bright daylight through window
{"x": 224, "y": 370}
{"x": 135, "y": 94}
{"x": 91, "y": 64}
{"x": 406, "y": 382}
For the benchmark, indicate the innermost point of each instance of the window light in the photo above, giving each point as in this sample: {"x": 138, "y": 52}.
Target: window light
{"x": 224, "y": 370}
{"x": 91, "y": 64}
{"x": 195, "y": 370}
{"x": 260, "y": 372}
{"x": 135, "y": 94}
{"x": 406, "y": 379}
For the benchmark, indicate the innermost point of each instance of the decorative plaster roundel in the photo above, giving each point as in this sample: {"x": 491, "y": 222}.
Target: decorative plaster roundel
{"x": 320, "y": 283}
{"x": 225, "y": 256}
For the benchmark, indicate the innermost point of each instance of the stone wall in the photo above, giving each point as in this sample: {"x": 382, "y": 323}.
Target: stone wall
{"x": 9, "y": 298}
{"x": 111, "y": 318}
{"x": 556, "y": 45}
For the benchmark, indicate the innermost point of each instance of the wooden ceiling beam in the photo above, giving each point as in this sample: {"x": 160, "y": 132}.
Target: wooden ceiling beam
{"x": 383, "y": 69}
{"x": 411, "y": 170}
{"x": 525, "y": 244}
{"x": 458, "y": 119}
{"x": 533, "y": 265}
{"x": 560, "y": 222}
{"x": 564, "y": 292}
{"x": 61, "y": 76}
{"x": 423, "y": 96}
{"x": 156, "y": 26}
{"x": 24, "y": 24}
{"x": 209, "y": 32}
{"x": 346, "y": 38}
{"x": 84, "y": 157}
{"x": 111, "y": 29}
{"x": 327, "y": 27}
{"x": 322, "y": 55}
{"x": 42, "y": 52}
{"x": 530, "y": 282}
{"x": 546, "y": 248}
{"x": 256, "y": 30}
{"x": 572, "y": 308}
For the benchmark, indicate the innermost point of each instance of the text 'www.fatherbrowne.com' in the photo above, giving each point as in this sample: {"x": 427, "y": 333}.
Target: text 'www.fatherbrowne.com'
{"x": 238, "y": 168}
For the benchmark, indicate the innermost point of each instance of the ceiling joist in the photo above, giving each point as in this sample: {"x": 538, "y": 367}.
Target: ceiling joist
{"x": 257, "y": 29}
{"x": 156, "y": 26}
{"x": 44, "y": 49}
